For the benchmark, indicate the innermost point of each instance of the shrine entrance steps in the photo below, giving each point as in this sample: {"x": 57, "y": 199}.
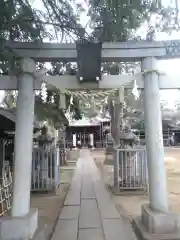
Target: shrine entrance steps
{"x": 88, "y": 212}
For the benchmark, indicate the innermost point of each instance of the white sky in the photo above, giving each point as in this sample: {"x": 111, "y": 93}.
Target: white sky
{"x": 171, "y": 67}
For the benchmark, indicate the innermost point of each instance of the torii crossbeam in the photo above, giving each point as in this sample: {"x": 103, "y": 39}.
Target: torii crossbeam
{"x": 107, "y": 82}
{"x": 113, "y": 52}
{"x": 125, "y": 51}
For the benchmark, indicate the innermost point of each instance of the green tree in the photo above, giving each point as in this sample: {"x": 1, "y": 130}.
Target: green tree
{"x": 118, "y": 20}
{"x": 19, "y": 21}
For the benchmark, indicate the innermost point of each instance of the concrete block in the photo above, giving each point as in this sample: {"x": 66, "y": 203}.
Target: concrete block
{"x": 90, "y": 234}
{"x": 70, "y": 212}
{"x": 16, "y": 228}
{"x": 160, "y": 223}
{"x": 161, "y": 226}
{"x": 66, "y": 230}
{"x": 142, "y": 233}
{"x": 89, "y": 214}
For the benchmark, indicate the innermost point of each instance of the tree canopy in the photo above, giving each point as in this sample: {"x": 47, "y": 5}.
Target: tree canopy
{"x": 59, "y": 20}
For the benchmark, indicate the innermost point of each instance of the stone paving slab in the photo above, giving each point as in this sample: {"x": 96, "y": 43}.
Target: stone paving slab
{"x": 108, "y": 211}
{"x": 100, "y": 191}
{"x": 75, "y": 185}
{"x": 91, "y": 234}
{"x": 70, "y": 212}
{"x": 89, "y": 214}
{"x": 66, "y": 230}
{"x": 102, "y": 194}
{"x": 105, "y": 205}
{"x": 87, "y": 191}
{"x": 72, "y": 198}
{"x": 115, "y": 229}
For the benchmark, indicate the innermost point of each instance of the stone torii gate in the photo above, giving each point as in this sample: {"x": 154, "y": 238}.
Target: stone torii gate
{"x": 156, "y": 218}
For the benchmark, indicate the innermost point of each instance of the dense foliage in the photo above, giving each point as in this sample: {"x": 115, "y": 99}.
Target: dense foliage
{"x": 119, "y": 20}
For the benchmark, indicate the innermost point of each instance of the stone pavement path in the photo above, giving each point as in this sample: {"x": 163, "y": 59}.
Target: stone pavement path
{"x": 88, "y": 212}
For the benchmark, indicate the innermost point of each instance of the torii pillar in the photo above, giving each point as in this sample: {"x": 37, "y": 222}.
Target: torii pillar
{"x": 156, "y": 222}
{"x": 23, "y": 221}
{"x": 119, "y": 104}
{"x": 111, "y": 112}
{"x": 118, "y": 122}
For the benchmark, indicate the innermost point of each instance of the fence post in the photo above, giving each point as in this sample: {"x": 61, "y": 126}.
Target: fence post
{"x": 2, "y": 158}
{"x": 116, "y": 169}
{"x": 56, "y": 168}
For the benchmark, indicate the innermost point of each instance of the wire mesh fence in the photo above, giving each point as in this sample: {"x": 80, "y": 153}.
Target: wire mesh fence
{"x": 5, "y": 193}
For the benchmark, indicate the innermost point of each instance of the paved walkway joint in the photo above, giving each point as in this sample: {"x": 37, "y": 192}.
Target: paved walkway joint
{"x": 88, "y": 212}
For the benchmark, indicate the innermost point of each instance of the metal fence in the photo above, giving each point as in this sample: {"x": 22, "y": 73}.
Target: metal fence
{"x": 130, "y": 170}
{"x": 45, "y": 176}
{"x": 45, "y": 169}
{"x": 5, "y": 193}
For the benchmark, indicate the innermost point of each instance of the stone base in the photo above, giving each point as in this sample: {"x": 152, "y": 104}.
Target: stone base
{"x": 159, "y": 226}
{"x": 16, "y": 228}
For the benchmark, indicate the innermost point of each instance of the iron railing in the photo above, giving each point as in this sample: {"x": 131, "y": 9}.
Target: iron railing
{"x": 45, "y": 169}
{"x": 45, "y": 176}
{"x": 130, "y": 170}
